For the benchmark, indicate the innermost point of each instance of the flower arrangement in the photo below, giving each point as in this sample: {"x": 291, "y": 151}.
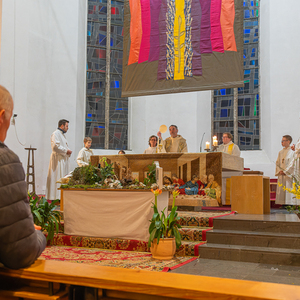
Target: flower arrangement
{"x": 296, "y": 191}
{"x": 162, "y": 226}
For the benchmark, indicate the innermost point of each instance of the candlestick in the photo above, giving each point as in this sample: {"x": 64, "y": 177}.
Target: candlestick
{"x": 207, "y": 145}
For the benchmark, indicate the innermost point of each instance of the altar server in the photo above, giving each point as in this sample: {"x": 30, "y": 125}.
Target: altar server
{"x": 228, "y": 146}
{"x": 152, "y": 149}
{"x": 284, "y": 171}
{"x": 59, "y": 159}
{"x": 84, "y": 155}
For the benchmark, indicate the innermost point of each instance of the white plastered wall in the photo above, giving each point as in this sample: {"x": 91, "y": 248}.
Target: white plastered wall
{"x": 43, "y": 66}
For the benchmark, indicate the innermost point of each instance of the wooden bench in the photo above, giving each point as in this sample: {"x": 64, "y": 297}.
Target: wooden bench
{"x": 121, "y": 283}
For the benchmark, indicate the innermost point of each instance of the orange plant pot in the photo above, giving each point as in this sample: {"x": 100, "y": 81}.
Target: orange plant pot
{"x": 164, "y": 250}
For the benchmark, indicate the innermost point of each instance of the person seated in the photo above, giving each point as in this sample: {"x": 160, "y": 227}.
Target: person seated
{"x": 21, "y": 241}
{"x": 84, "y": 155}
{"x": 121, "y": 152}
{"x": 153, "y": 147}
{"x": 177, "y": 182}
{"x": 213, "y": 189}
{"x": 167, "y": 180}
{"x": 228, "y": 146}
{"x": 191, "y": 187}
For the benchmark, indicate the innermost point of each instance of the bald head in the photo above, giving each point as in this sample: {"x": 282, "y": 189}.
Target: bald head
{"x": 6, "y": 101}
{"x": 6, "y": 109}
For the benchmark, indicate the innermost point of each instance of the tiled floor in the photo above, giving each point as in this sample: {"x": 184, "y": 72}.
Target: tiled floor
{"x": 245, "y": 270}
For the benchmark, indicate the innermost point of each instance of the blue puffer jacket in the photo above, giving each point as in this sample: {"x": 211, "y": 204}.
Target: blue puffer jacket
{"x": 20, "y": 243}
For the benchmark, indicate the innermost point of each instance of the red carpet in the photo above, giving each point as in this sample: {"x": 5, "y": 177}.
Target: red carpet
{"x": 112, "y": 258}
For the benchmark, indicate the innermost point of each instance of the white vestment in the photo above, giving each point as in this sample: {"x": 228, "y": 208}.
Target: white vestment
{"x": 226, "y": 149}
{"x": 59, "y": 164}
{"x": 285, "y": 163}
{"x": 154, "y": 150}
{"x": 297, "y": 160}
{"x": 84, "y": 157}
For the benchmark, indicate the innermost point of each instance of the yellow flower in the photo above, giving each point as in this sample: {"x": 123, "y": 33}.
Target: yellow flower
{"x": 175, "y": 193}
{"x": 156, "y": 192}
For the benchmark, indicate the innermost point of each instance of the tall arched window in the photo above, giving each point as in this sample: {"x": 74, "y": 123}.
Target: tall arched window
{"x": 117, "y": 115}
{"x": 247, "y": 122}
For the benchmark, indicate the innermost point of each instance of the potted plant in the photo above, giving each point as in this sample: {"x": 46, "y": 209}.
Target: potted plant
{"x": 296, "y": 191}
{"x": 45, "y": 214}
{"x": 164, "y": 234}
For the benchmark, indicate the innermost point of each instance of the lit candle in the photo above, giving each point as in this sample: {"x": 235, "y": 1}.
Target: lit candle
{"x": 215, "y": 142}
{"x": 207, "y": 145}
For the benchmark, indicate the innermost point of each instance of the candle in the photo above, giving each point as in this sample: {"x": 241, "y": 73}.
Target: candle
{"x": 215, "y": 141}
{"x": 207, "y": 145}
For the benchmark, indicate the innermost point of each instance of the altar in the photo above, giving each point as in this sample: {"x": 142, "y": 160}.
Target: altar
{"x": 212, "y": 168}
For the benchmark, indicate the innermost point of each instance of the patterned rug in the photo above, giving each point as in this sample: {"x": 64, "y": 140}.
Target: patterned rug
{"x": 112, "y": 258}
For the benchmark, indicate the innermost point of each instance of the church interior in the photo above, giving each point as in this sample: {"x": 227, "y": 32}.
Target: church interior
{"x": 232, "y": 213}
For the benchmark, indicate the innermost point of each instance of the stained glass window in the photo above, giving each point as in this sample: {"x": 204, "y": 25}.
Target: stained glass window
{"x": 96, "y": 76}
{"x": 248, "y": 96}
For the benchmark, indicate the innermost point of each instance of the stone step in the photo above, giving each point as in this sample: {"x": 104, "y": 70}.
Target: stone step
{"x": 265, "y": 255}
{"x": 281, "y": 223}
{"x": 192, "y": 233}
{"x": 253, "y": 238}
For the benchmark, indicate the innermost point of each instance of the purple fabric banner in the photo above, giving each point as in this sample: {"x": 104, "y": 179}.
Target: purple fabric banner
{"x": 162, "y": 64}
{"x": 205, "y": 43}
{"x": 196, "y": 15}
{"x": 216, "y": 31}
{"x": 146, "y": 27}
{"x": 154, "y": 34}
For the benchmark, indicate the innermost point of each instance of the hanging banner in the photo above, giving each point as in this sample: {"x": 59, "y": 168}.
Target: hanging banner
{"x": 173, "y": 46}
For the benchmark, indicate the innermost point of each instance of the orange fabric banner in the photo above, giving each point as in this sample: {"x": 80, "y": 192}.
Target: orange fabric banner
{"x": 227, "y": 23}
{"x": 135, "y": 31}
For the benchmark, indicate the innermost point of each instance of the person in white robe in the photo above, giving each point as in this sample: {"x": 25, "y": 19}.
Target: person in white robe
{"x": 228, "y": 146}
{"x": 59, "y": 159}
{"x": 153, "y": 147}
{"x": 175, "y": 143}
{"x": 84, "y": 155}
{"x": 285, "y": 171}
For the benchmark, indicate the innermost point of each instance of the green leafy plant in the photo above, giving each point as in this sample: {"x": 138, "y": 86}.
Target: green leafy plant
{"x": 86, "y": 175}
{"x": 151, "y": 175}
{"x": 107, "y": 170}
{"x": 45, "y": 214}
{"x": 162, "y": 226}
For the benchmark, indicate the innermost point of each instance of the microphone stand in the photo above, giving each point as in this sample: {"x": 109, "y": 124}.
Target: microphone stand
{"x": 201, "y": 142}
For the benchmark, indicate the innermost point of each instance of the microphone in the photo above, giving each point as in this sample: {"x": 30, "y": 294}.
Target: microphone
{"x": 201, "y": 142}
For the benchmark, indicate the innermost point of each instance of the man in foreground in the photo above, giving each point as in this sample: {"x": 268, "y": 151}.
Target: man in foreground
{"x": 21, "y": 244}
{"x": 59, "y": 159}
{"x": 174, "y": 143}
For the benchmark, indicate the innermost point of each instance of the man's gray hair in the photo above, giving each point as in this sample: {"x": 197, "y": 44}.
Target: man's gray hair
{"x": 5, "y": 100}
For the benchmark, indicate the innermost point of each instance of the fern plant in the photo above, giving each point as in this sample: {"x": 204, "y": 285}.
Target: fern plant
{"x": 45, "y": 214}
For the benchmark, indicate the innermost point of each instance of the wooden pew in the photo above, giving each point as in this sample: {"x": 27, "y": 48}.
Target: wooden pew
{"x": 118, "y": 283}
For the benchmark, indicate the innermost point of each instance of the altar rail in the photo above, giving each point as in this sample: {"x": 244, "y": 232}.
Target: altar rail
{"x": 118, "y": 283}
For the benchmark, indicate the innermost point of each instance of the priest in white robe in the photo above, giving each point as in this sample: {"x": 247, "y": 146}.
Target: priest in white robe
{"x": 284, "y": 171}
{"x": 175, "y": 143}
{"x": 228, "y": 146}
{"x": 59, "y": 160}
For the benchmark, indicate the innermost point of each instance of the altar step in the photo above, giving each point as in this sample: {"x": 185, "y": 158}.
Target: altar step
{"x": 270, "y": 239}
{"x": 188, "y": 248}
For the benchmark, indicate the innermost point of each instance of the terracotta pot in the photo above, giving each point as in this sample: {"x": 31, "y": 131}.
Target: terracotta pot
{"x": 165, "y": 249}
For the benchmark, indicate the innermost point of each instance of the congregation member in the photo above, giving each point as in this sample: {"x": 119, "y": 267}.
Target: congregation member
{"x": 174, "y": 143}
{"x": 285, "y": 171}
{"x": 121, "y": 152}
{"x": 84, "y": 155}
{"x": 59, "y": 159}
{"x": 228, "y": 146}
{"x": 153, "y": 147}
{"x": 21, "y": 241}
